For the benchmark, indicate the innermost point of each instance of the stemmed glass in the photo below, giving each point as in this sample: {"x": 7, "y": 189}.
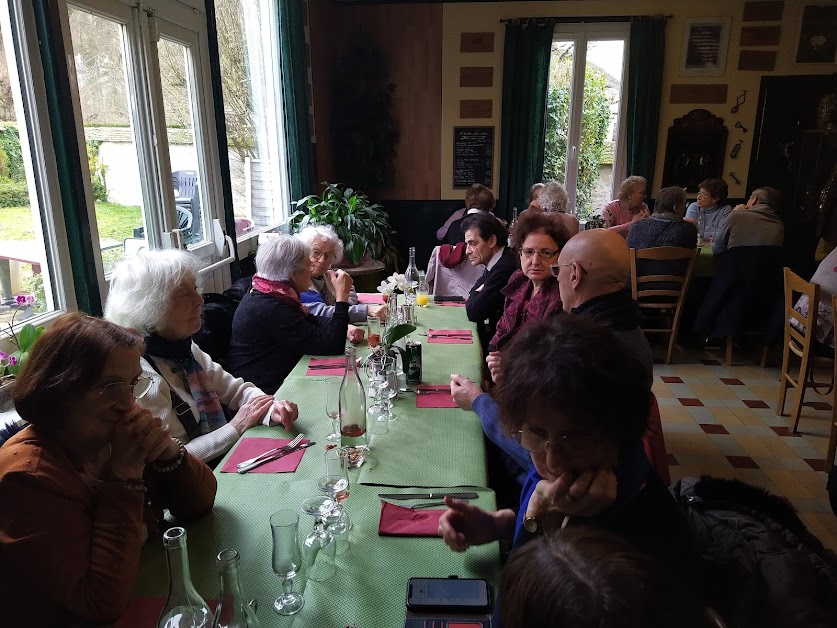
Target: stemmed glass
{"x": 389, "y": 391}
{"x": 373, "y": 335}
{"x": 333, "y": 407}
{"x": 376, "y": 371}
{"x": 319, "y": 547}
{"x": 335, "y": 484}
{"x": 286, "y": 560}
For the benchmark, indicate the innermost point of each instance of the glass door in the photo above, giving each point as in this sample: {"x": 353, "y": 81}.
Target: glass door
{"x": 585, "y": 104}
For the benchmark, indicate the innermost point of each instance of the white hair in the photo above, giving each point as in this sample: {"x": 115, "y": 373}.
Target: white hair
{"x": 553, "y": 197}
{"x": 142, "y": 286}
{"x": 280, "y": 256}
{"x": 325, "y": 233}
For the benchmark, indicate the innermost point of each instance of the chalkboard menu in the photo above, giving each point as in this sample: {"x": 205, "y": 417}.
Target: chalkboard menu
{"x": 473, "y": 155}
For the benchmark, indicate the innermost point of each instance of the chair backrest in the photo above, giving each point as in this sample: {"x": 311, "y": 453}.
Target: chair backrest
{"x": 798, "y": 327}
{"x": 185, "y": 182}
{"x": 659, "y": 291}
{"x": 184, "y": 218}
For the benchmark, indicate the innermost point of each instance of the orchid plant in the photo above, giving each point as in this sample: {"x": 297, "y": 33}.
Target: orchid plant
{"x": 10, "y": 364}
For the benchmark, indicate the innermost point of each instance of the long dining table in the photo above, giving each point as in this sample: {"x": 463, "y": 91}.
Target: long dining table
{"x": 429, "y": 448}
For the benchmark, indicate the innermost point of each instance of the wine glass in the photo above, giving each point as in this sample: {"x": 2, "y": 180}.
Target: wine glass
{"x": 284, "y": 525}
{"x": 391, "y": 391}
{"x": 319, "y": 547}
{"x": 374, "y": 331}
{"x": 333, "y": 407}
{"x": 335, "y": 484}
{"x": 376, "y": 367}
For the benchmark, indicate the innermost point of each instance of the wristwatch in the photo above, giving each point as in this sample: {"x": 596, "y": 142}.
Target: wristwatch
{"x": 530, "y": 524}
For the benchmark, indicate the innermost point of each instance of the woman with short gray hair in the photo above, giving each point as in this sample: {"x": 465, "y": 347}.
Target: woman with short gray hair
{"x": 157, "y": 293}
{"x": 553, "y": 199}
{"x": 272, "y": 329}
{"x": 628, "y": 207}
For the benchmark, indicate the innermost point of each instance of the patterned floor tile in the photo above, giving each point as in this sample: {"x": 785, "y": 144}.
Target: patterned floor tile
{"x": 732, "y": 381}
{"x": 742, "y": 462}
{"x": 755, "y": 403}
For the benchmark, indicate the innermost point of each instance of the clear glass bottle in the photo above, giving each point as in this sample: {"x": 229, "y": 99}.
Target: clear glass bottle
{"x": 353, "y": 413}
{"x": 512, "y": 225}
{"x": 701, "y": 227}
{"x": 412, "y": 277}
{"x": 232, "y": 610}
{"x": 184, "y": 608}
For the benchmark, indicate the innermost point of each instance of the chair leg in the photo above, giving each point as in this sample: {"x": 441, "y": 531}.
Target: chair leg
{"x": 783, "y": 381}
{"x": 729, "y": 351}
{"x": 832, "y": 445}
{"x": 671, "y": 342}
{"x": 764, "y": 351}
{"x": 801, "y": 382}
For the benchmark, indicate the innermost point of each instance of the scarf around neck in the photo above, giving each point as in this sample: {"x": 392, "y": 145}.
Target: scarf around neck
{"x": 282, "y": 290}
{"x": 210, "y": 413}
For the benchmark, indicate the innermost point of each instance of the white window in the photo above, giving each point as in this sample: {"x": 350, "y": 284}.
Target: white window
{"x": 31, "y": 256}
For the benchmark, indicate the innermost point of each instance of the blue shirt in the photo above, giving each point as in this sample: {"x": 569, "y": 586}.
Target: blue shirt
{"x": 489, "y": 414}
{"x": 716, "y": 217}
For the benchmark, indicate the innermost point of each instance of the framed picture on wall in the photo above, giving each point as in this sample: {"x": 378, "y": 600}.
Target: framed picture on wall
{"x": 817, "y": 34}
{"x": 705, "y": 42}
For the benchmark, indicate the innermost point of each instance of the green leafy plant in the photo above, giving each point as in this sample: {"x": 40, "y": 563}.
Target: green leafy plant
{"x": 97, "y": 171}
{"x": 361, "y": 225}
{"x": 11, "y": 364}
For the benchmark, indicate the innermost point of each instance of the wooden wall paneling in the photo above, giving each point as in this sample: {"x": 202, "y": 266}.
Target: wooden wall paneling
{"x": 770, "y": 11}
{"x": 760, "y": 35}
{"x": 698, "y": 93}
{"x": 475, "y": 108}
{"x": 476, "y": 42}
{"x": 763, "y": 60}
{"x": 476, "y": 77}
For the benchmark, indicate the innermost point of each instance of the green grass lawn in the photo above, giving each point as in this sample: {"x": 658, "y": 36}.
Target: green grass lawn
{"x": 116, "y": 222}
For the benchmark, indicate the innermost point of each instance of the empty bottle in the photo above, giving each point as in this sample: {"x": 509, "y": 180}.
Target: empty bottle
{"x": 232, "y": 611}
{"x": 184, "y": 608}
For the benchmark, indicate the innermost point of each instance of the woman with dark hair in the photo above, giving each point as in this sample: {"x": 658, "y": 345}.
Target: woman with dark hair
{"x": 575, "y": 398}
{"x": 712, "y": 203}
{"x": 86, "y": 483}
{"x": 588, "y": 578}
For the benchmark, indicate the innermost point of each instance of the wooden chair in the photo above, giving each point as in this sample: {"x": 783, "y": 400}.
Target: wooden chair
{"x": 799, "y": 340}
{"x": 667, "y": 299}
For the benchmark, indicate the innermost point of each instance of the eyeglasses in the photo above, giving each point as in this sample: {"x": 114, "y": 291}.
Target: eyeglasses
{"x": 578, "y": 443}
{"x": 115, "y": 391}
{"x": 556, "y": 268}
{"x": 544, "y": 254}
{"x": 704, "y": 194}
{"x": 322, "y": 254}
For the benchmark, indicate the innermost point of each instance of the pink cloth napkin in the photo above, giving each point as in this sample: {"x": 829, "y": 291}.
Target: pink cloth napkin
{"x": 450, "y": 303}
{"x": 144, "y": 611}
{"x": 455, "y": 340}
{"x": 400, "y": 521}
{"x": 339, "y": 366}
{"x": 251, "y": 447}
{"x": 441, "y": 399}
{"x": 370, "y": 297}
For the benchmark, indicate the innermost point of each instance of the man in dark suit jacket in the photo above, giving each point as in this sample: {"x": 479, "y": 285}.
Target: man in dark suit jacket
{"x": 485, "y": 240}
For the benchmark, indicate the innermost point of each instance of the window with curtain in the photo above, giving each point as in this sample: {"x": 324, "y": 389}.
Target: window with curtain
{"x": 251, "y": 83}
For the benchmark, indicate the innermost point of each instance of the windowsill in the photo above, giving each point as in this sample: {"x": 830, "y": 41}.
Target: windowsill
{"x": 247, "y": 244}
{"x": 45, "y": 320}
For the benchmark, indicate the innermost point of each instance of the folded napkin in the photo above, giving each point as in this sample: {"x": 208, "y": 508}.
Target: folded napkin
{"x": 251, "y": 447}
{"x": 450, "y": 336}
{"x": 441, "y": 399}
{"x": 144, "y": 611}
{"x": 338, "y": 363}
{"x": 400, "y": 521}
{"x": 449, "y": 303}
{"x": 375, "y": 298}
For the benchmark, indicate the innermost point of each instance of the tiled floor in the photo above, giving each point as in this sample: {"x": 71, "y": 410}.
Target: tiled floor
{"x": 722, "y": 422}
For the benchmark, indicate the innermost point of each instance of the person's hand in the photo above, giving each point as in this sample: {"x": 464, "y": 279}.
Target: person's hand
{"x": 284, "y": 413}
{"x": 585, "y": 494}
{"x": 494, "y": 366}
{"x": 138, "y": 439}
{"x": 463, "y": 525}
{"x": 354, "y": 334}
{"x": 377, "y": 310}
{"x": 641, "y": 214}
{"x": 739, "y": 206}
{"x": 251, "y": 413}
{"x": 342, "y": 282}
{"x": 464, "y": 391}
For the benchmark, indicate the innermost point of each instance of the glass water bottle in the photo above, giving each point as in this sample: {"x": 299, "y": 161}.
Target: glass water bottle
{"x": 701, "y": 227}
{"x": 512, "y": 225}
{"x": 353, "y": 413}
{"x": 232, "y": 611}
{"x": 412, "y": 277}
{"x": 184, "y": 608}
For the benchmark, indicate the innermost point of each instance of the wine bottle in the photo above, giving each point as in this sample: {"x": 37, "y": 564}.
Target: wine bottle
{"x": 232, "y": 611}
{"x": 184, "y": 608}
{"x": 353, "y": 413}
{"x": 412, "y": 277}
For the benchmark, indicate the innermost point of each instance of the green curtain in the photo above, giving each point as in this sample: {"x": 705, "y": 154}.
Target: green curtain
{"x": 645, "y": 86}
{"x": 523, "y": 126}
{"x": 295, "y": 93}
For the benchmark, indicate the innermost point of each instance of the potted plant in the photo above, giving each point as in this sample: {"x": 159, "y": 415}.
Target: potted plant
{"x": 362, "y": 226}
{"x": 11, "y": 364}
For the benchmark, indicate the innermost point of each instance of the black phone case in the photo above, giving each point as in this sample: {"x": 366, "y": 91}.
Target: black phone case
{"x": 453, "y": 610}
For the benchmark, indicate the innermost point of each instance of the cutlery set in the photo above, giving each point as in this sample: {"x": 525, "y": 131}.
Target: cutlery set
{"x": 274, "y": 454}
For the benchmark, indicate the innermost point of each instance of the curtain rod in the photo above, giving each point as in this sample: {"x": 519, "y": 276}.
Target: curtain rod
{"x": 582, "y": 20}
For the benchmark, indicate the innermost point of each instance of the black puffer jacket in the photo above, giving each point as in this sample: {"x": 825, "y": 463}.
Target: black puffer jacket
{"x": 760, "y": 567}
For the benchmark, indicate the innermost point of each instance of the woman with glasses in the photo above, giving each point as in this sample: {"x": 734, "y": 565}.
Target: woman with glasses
{"x": 574, "y": 397}
{"x": 712, "y": 203}
{"x": 156, "y": 293}
{"x": 85, "y": 484}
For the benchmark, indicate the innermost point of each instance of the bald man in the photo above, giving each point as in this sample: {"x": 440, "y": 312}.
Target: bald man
{"x": 592, "y": 272}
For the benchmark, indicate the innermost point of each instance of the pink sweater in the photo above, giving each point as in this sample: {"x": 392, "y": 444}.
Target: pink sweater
{"x": 618, "y": 216}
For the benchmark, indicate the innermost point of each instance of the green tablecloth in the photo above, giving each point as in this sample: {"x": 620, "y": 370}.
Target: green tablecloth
{"x": 424, "y": 448}
{"x": 705, "y": 262}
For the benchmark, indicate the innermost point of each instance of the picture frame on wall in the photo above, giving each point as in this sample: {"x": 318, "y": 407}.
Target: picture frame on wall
{"x": 817, "y": 34}
{"x": 705, "y": 44}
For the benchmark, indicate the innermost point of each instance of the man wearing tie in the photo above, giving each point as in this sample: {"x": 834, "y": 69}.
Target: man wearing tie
{"x": 485, "y": 240}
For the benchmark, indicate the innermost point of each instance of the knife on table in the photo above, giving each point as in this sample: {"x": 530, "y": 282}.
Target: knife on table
{"x": 276, "y": 456}
{"x": 465, "y": 495}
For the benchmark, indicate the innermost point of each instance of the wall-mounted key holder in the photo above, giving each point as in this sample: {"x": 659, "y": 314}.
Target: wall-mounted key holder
{"x": 736, "y": 149}
{"x": 738, "y": 125}
{"x": 734, "y": 178}
{"x": 739, "y": 100}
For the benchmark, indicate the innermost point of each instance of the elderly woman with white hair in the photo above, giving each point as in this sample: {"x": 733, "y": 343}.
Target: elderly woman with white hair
{"x": 272, "y": 329}
{"x": 156, "y": 293}
{"x": 553, "y": 199}
{"x": 319, "y": 297}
